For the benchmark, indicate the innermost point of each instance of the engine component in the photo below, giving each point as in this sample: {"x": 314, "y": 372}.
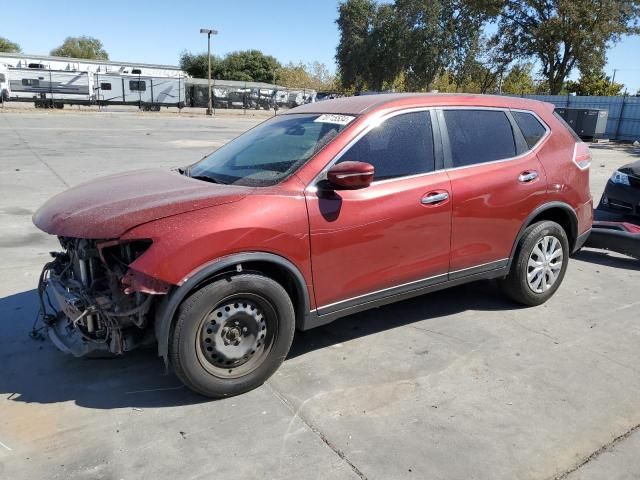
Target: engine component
{"x": 96, "y": 309}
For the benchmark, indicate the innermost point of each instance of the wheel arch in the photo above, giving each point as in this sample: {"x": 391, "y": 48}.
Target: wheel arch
{"x": 271, "y": 265}
{"x": 558, "y": 212}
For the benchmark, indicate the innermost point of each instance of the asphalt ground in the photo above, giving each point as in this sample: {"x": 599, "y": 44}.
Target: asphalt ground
{"x": 460, "y": 384}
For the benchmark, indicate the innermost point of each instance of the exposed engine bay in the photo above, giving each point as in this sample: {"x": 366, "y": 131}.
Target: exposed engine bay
{"x": 91, "y": 301}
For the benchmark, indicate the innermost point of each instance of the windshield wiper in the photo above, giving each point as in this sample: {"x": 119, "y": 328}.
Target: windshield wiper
{"x": 206, "y": 178}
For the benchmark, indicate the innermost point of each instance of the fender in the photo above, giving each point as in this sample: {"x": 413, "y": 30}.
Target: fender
{"x": 573, "y": 218}
{"x": 170, "y": 303}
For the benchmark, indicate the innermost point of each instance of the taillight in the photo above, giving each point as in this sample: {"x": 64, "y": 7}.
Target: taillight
{"x": 582, "y": 156}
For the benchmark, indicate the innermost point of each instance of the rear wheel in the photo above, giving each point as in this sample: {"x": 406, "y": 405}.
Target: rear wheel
{"x": 232, "y": 335}
{"x": 540, "y": 264}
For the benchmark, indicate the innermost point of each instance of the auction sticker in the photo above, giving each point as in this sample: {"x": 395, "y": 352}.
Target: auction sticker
{"x": 335, "y": 119}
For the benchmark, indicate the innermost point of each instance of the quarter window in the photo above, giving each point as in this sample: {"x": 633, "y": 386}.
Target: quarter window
{"x": 137, "y": 85}
{"x": 400, "y": 146}
{"x": 531, "y": 128}
{"x": 479, "y": 136}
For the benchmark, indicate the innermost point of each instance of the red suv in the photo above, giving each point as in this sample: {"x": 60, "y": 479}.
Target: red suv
{"x": 332, "y": 208}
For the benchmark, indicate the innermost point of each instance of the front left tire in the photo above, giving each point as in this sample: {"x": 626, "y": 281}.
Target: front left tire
{"x": 231, "y": 335}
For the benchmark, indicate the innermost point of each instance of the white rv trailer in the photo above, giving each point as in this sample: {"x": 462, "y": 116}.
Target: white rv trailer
{"x": 51, "y": 87}
{"x": 22, "y": 60}
{"x": 5, "y": 89}
{"x": 146, "y": 91}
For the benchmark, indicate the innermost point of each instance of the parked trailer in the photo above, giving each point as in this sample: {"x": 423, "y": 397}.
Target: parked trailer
{"x": 4, "y": 84}
{"x": 47, "y": 88}
{"x": 150, "y": 93}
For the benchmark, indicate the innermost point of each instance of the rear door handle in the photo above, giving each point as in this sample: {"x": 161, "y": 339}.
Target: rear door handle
{"x": 434, "y": 198}
{"x": 529, "y": 176}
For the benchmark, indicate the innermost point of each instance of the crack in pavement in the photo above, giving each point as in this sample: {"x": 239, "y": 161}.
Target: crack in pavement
{"x": 33, "y": 152}
{"x": 604, "y": 448}
{"x": 317, "y": 431}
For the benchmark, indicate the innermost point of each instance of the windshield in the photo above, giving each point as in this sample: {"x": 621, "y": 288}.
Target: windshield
{"x": 270, "y": 152}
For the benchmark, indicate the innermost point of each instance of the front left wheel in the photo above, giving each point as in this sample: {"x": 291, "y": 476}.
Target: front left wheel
{"x": 232, "y": 335}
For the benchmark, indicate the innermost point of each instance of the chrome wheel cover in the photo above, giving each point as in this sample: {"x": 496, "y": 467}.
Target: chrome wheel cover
{"x": 545, "y": 264}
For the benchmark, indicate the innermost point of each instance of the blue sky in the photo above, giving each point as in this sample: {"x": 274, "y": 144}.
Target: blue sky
{"x": 156, "y": 32}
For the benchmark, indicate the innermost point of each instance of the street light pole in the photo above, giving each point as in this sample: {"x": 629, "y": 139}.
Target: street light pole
{"x": 209, "y": 32}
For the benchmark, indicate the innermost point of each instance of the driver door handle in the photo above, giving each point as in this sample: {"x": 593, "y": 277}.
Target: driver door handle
{"x": 528, "y": 176}
{"x": 434, "y": 198}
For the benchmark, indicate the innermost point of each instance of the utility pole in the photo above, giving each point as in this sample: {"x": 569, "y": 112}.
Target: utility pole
{"x": 613, "y": 80}
{"x": 209, "y": 32}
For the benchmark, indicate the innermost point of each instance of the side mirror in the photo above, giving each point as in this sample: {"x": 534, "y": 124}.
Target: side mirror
{"x": 350, "y": 175}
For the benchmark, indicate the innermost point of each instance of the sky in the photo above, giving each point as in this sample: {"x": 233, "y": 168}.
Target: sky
{"x": 158, "y": 31}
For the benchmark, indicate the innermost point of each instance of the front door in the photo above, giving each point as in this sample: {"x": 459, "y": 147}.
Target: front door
{"x": 366, "y": 242}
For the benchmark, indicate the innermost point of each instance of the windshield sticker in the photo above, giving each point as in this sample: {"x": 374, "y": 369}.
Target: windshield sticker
{"x": 335, "y": 119}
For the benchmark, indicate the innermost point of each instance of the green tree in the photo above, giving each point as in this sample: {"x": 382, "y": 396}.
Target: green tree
{"x": 519, "y": 80}
{"x": 595, "y": 83}
{"x": 353, "y": 54}
{"x": 197, "y": 66}
{"x": 411, "y": 40}
{"x": 249, "y": 65}
{"x": 8, "y": 46}
{"x": 385, "y": 48}
{"x": 565, "y": 34}
{"x": 81, "y": 47}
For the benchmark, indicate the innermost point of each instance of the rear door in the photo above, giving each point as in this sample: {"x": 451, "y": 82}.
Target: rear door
{"x": 394, "y": 234}
{"x": 496, "y": 182}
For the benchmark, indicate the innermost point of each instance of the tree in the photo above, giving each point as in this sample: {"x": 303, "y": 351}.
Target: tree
{"x": 595, "y": 83}
{"x": 353, "y": 53}
{"x": 565, "y": 34}
{"x": 313, "y": 75}
{"x": 8, "y": 46}
{"x": 81, "y": 47}
{"x": 411, "y": 40}
{"x": 197, "y": 66}
{"x": 249, "y": 65}
{"x": 519, "y": 80}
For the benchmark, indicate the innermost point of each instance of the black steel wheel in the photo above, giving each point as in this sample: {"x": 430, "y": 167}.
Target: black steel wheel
{"x": 231, "y": 335}
{"x": 237, "y": 335}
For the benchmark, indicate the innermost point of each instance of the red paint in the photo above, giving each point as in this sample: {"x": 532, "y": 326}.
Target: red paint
{"x": 351, "y": 175}
{"x": 107, "y": 207}
{"x": 347, "y": 242}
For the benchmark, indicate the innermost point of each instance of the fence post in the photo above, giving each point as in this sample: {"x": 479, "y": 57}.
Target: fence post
{"x": 620, "y": 118}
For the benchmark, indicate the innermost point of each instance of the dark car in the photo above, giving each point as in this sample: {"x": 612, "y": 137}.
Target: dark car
{"x": 333, "y": 208}
{"x": 622, "y": 194}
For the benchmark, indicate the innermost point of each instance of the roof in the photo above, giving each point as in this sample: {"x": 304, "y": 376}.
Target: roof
{"x": 234, "y": 83}
{"x": 365, "y": 103}
{"x": 86, "y": 60}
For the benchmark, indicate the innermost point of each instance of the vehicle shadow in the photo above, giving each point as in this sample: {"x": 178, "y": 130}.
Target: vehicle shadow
{"x": 33, "y": 371}
{"x": 607, "y": 259}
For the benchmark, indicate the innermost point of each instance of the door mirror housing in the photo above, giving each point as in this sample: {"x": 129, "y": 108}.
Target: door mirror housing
{"x": 350, "y": 175}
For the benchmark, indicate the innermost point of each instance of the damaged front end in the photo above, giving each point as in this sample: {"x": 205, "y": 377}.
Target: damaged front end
{"x": 101, "y": 304}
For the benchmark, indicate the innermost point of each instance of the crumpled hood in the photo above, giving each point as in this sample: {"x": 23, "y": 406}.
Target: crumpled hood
{"x": 107, "y": 207}
{"x": 631, "y": 169}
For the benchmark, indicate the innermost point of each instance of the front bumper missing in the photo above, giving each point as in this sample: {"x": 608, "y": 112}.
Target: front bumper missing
{"x": 61, "y": 330}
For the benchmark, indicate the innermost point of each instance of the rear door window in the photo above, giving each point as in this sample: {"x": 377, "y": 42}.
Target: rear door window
{"x": 400, "y": 146}
{"x": 479, "y": 136}
{"x": 531, "y": 128}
